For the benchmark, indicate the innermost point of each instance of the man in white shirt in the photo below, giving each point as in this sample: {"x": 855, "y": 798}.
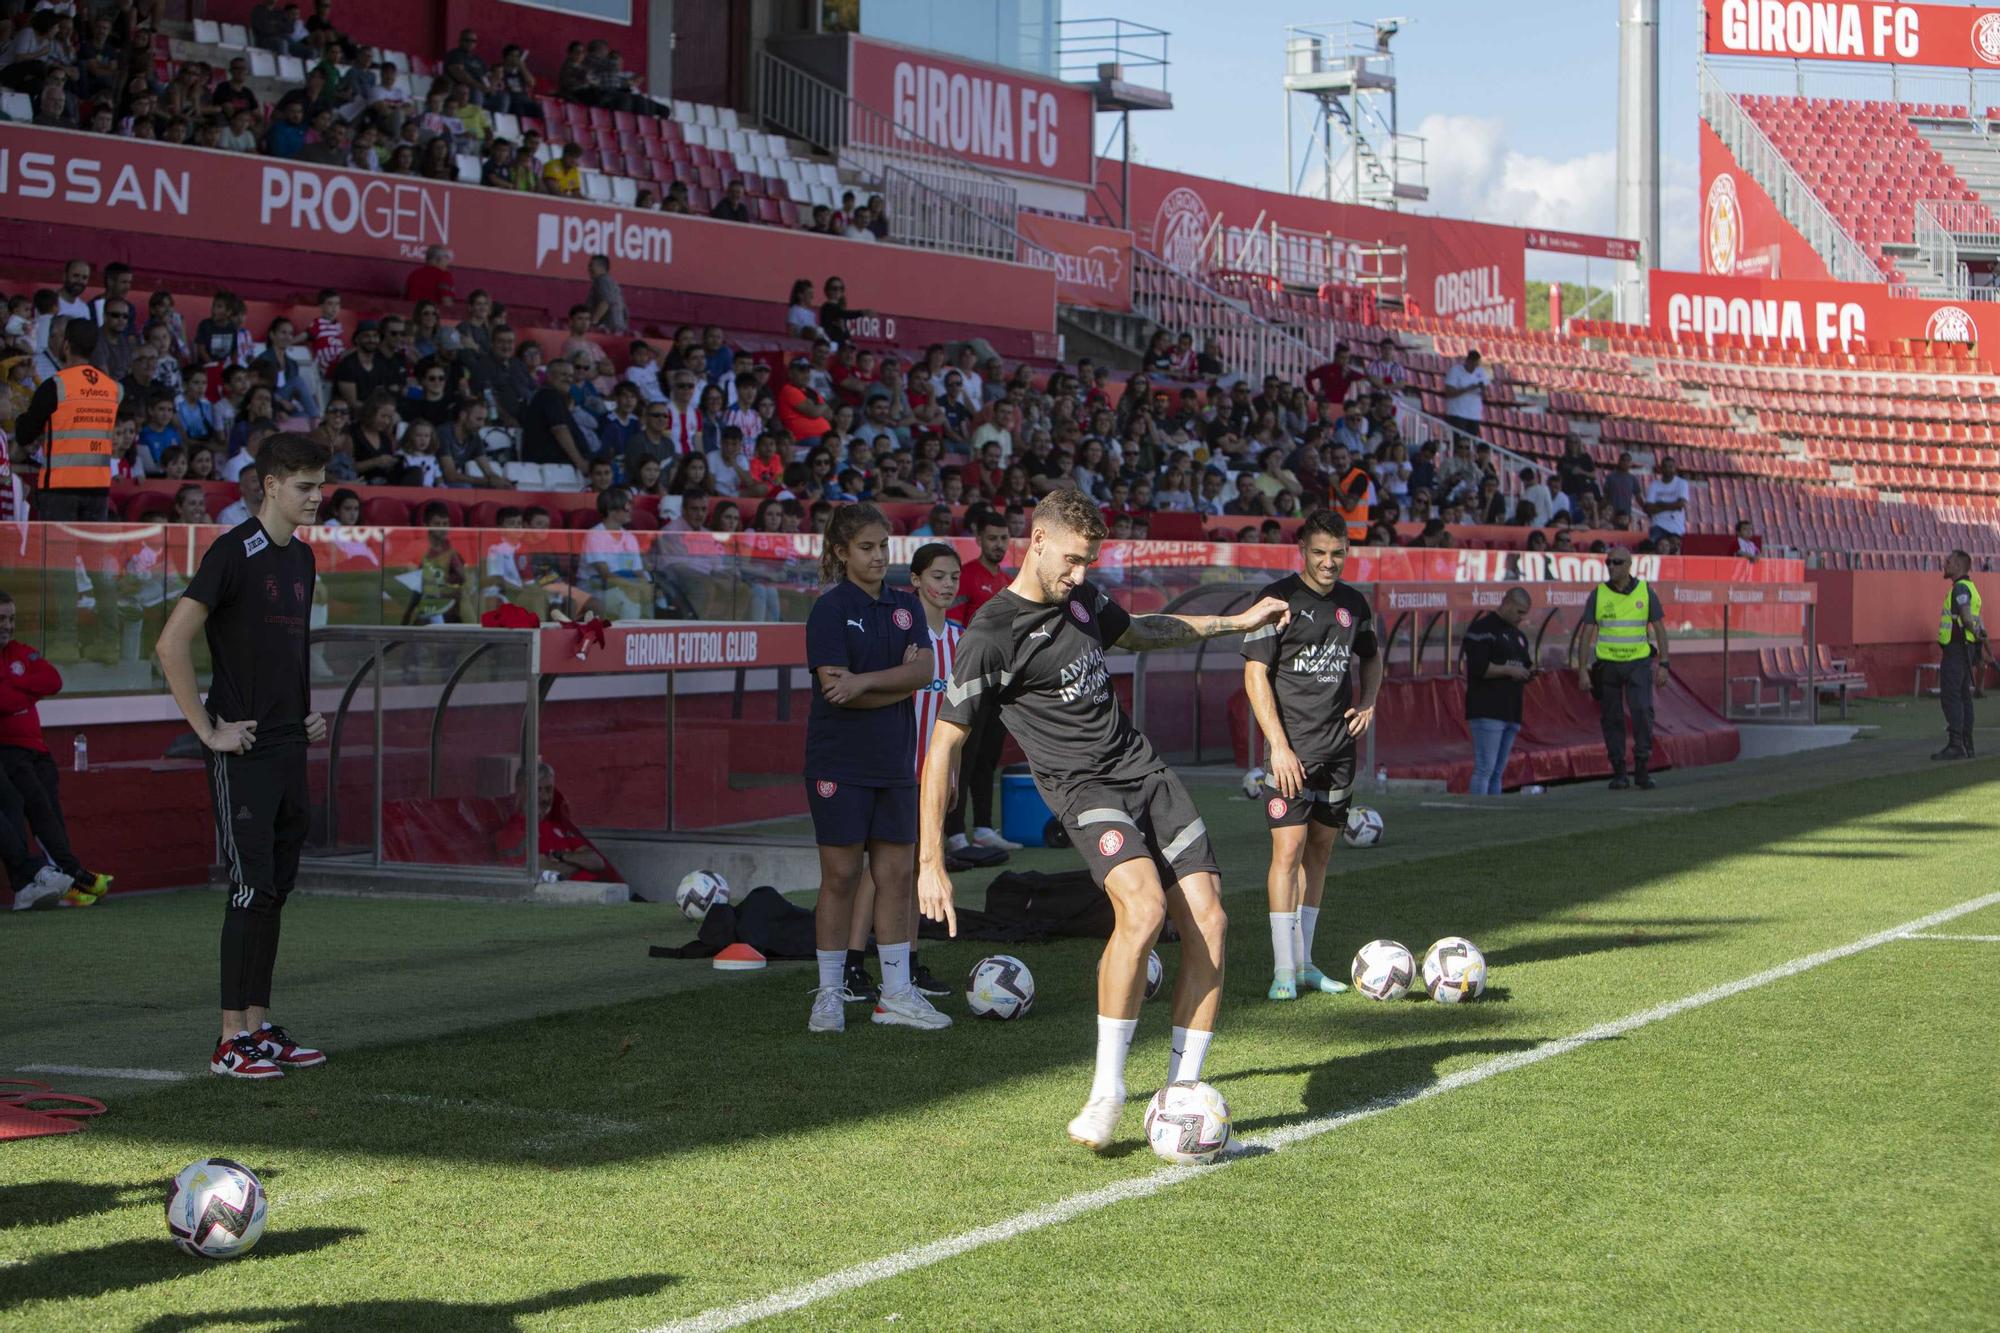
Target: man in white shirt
{"x": 1535, "y": 491}
{"x": 968, "y": 367}
{"x": 644, "y": 372}
{"x": 1666, "y": 501}
{"x": 69, "y": 300}
{"x": 1465, "y": 386}
{"x": 247, "y": 503}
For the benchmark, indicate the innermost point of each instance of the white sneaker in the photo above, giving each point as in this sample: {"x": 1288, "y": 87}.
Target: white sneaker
{"x": 956, "y": 843}
{"x": 827, "y": 1013}
{"x": 1097, "y": 1123}
{"x": 986, "y": 837}
{"x": 48, "y": 885}
{"x": 907, "y": 1009}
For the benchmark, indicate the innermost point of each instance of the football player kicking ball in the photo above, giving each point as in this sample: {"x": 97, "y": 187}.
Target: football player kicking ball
{"x": 1038, "y": 649}
{"x": 1297, "y": 675}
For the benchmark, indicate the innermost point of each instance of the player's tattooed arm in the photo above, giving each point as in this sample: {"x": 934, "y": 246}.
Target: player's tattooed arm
{"x": 1151, "y": 632}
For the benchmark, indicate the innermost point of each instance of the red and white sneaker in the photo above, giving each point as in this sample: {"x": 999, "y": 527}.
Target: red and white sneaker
{"x": 241, "y": 1057}
{"x": 281, "y": 1050}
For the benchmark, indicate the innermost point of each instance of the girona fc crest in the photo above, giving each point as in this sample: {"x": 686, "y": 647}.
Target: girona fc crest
{"x": 1721, "y": 226}
{"x": 1949, "y": 323}
{"x": 1082, "y": 616}
{"x": 1344, "y": 616}
{"x": 903, "y": 618}
{"x": 1180, "y": 228}
{"x": 1110, "y": 842}
{"x": 825, "y": 789}
{"x": 1986, "y": 38}
{"x": 1277, "y": 807}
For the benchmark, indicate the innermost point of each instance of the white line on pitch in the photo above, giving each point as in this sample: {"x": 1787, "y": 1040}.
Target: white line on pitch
{"x": 1139, "y": 1187}
{"x": 1503, "y": 806}
{"x": 89, "y": 1071}
{"x": 1963, "y": 939}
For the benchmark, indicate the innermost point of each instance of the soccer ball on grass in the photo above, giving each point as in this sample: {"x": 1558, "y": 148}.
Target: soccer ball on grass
{"x": 698, "y": 891}
{"x": 1156, "y": 975}
{"x": 1454, "y": 970}
{"x": 1000, "y": 987}
{"x": 1188, "y": 1123}
{"x": 1364, "y": 827}
{"x": 215, "y": 1208}
{"x": 1383, "y": 970}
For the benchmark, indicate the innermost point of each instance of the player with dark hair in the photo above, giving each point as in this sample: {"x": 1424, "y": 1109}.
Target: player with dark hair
{"x": 869, "y": 652}
{"x": 1311, "y": 713}
{"x": 1037, "y": 648}
{"x": 252, "y": 598}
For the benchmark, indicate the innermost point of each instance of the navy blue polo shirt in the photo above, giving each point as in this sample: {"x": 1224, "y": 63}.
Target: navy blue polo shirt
{"x": 848, "y": 628}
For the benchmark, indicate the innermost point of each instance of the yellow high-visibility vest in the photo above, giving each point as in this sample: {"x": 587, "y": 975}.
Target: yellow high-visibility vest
{"x": 1621, "y": 622}
{"x": 1949, "y": 619}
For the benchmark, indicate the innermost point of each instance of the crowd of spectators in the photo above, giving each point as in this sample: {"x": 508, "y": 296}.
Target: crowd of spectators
{"x": 450, "y": 395}
{"x": 354, "y": 109}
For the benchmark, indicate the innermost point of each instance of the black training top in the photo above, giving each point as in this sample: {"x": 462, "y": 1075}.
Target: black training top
{"x": 1044, "y": 663}
{"x": 1309, "y": 660}
{"x": 1491, "y": 641}
{"x": 259, "y": 597}
{"x": 849, "y": 629}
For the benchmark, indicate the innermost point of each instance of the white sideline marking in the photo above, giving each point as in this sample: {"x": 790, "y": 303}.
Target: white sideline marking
{"x": 87, "y": 1071}
{"x": 1139, "y": 1187}
{"x": 1963, "y": 939}
{"x": 576, "y": 1126}
{"x": 1503, "y": 806}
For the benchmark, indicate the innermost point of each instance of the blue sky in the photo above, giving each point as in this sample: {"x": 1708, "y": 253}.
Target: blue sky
{"x": 1518, "y": 105}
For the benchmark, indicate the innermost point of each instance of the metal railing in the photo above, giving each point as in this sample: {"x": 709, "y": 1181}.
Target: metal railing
{"x": 1845, "y": 260}
{"x": 1083, "y": 46}
{"x": 1300, "y": 258}
{"x": 1944, "y": 227}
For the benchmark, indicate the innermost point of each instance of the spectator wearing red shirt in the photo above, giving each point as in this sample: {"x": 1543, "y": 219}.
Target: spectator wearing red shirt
{"x": 326, "y": 337}
{"x": 566, "y": 853}
{"x": 979, "y": 763}
{"x": 801, "y": 411}
{"x": 26, "y": 678}
{"x": 1332, "y": 382}
{"x": 983, "y": 577}
{"x": 432, "y": 281}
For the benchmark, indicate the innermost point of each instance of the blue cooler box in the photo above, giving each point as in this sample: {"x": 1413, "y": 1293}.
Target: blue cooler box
{"x": 1023, "y": 813}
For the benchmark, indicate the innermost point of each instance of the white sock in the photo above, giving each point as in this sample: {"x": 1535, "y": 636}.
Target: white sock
{"x": 1283, "y": 926}
{"x": 895, "y": 967}
{"x": 1114, "y": 1039}
{"x": 1190, "y": 1049}
{"x": 832, "y": 966}
{"x": 1308, "y": 920}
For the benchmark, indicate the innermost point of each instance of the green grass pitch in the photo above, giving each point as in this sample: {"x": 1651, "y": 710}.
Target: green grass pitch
{"x": 527, "y": 1123}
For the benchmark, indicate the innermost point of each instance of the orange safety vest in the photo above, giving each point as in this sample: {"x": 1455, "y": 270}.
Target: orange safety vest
{"x": 77, "y": 456}
{"x": 1357, "y": 513}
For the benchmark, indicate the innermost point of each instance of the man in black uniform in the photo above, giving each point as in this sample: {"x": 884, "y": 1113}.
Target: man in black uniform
{"x": 1304, "y": 698}
{"x": 1037, "y": 648}
{"x": 252, "y": 597}
{"x": 1961, "y": 647}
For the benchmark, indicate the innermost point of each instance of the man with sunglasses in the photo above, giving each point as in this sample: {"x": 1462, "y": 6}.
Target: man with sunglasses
{"x": 1624, "y": 641}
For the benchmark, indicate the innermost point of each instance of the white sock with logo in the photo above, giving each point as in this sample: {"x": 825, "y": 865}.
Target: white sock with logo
{"x": 1114, "y": 1039}
{"x": 832, "y": 962}
{"x": 1284, "y": 926}
{"x": 1308, "y": 922}
{"x": 895, "y": 967}
{"x": 1190, "y": 1050}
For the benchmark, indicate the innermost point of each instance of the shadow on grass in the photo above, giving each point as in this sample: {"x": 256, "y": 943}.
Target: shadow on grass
{"x": 1572, "y": 946}
{"x": 52, "y": 1201}
{"x": 729, "y": 1063}
{"x": 126, "y": 1264}
{"x": 459, "y": 1316}
{"x": 1352, "y": 1083}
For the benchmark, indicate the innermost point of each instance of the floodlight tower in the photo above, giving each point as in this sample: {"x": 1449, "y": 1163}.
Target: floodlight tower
{"x": 1346, "y": 72}
{"x": 1639, "y": 141}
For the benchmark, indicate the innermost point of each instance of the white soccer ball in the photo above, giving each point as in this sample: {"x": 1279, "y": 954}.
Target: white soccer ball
{"x": 1188, "y": 1123}
{"x": 698, "y": 891}
{"x": 1364, "y": 827}
{"x": 1156, "y": 975}
{"x": 1383, "y": 970}
{"x": 1253, "y": 784}
{"x": 215, "y": 1208}
{"x": 1454, "y": 970}
{"x": 1000, "y": 987}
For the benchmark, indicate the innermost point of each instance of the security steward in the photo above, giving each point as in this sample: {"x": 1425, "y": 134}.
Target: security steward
{"x": 72, "y": 417}
{"x": 1961, "y": 648}
{"x": 1625, "y": 644}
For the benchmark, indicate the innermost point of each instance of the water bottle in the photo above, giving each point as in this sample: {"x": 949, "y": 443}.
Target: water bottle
{"x": 1382, "y": 778}
{"x": 81, "y": 750}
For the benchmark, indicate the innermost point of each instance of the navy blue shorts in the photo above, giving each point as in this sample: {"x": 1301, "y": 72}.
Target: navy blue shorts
{"x": 846, "y": 813}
